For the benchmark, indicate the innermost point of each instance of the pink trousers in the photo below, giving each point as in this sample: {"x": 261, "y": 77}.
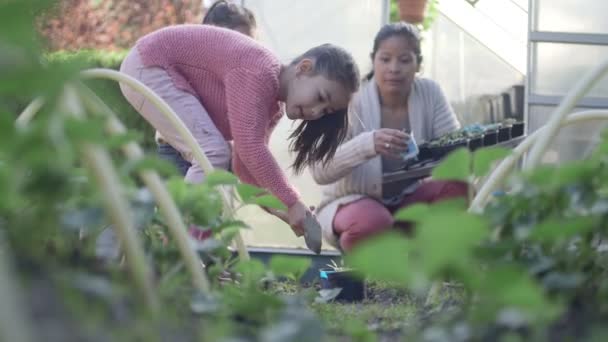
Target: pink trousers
{"x": 367, "y": 217}
{"x": 186, "y": 106}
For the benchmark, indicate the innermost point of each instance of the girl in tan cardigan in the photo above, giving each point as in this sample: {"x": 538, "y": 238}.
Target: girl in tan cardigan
{"x": 391, "y": 106}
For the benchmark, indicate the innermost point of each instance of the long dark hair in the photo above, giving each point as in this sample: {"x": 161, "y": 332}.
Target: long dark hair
{"x": 316, "y": 141}
{"x": 403, "y": 29}
{"x": 228, "y": 15}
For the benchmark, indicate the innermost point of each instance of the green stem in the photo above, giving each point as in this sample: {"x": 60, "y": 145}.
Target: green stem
{"x": 99, "y": 162}
{"x": 165, "y": 202}
{"x": 28, "y": 113}
{"x": 179, "y": 126}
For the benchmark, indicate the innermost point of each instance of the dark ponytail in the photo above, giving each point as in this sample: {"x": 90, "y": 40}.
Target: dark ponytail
{"x": 228, "y": 15}
{"x": 317, "y": 140}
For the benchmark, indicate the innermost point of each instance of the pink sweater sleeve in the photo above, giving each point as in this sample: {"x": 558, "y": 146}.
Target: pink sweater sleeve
{"x": 250, "y": 100}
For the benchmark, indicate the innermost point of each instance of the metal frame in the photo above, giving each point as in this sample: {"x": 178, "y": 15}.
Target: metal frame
{"x": 534, "y": 38}
{"x": 568, "y": 38}
{"x": 550, "y": 100}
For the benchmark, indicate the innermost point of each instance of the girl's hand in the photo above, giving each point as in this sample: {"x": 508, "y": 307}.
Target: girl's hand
{"x": 391, "y": 143}
{"x": 296, "y": 214}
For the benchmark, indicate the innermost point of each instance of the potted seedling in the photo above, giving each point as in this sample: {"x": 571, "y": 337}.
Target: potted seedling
{"x": 447, "y": 143}
{"x": 336, "y": 276}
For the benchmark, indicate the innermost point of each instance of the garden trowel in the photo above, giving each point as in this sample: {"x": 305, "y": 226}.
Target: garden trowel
{"x": 312, "y": 234}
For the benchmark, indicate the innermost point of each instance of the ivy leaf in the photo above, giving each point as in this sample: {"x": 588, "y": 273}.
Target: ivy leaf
{"x": 483, "y": 159}
{"x": 456, "y": 166}
{"x": 383, "y": 258}
{"x": 248, "y": 191}
{"x": 414, "y": 213}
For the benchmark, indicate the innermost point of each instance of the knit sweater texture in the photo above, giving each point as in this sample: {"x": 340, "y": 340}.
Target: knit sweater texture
{"x": 237, "y": 81}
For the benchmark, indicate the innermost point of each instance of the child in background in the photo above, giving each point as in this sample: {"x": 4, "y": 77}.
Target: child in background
{"x": 227, "y": 87}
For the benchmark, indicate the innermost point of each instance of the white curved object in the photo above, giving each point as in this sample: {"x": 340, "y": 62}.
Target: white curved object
{"x": 570, "y": 100}
{"x": 100, "y": 164}
{"x": 28, "y": 113}
{"x": 152, "y": 180}
{"x": 178, "y": 124}
{"x": 500, "y": 172}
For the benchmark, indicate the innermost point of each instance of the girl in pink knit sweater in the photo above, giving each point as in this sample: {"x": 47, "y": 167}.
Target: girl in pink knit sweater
{"x": 227, "y": 87}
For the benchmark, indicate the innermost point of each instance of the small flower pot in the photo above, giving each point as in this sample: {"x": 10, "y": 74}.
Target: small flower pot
{"x": 412, "y": 11}
{"x": 353, "y": 287}
{"x": 490, "y": 138}
{"x": 504, "y": 134}
{"x": 517, "y": 130}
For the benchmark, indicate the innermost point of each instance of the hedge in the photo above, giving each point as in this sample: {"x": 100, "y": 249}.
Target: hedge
{"x": 108, "y": 90}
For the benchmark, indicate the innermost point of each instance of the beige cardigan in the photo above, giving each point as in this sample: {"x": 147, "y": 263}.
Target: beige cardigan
{"x": 356, "y": 169}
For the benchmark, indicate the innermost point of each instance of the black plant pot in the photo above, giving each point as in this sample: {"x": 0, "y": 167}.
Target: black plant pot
{"x": 441, "y": 151}
{"x": 490, "y": 138}
{"x": 476, "y": 143}
{"x": 424, "y": 153}
{"x": 517, "y": 130}
{"x": 353, "y": 288}
{"x": 504, "y": 134}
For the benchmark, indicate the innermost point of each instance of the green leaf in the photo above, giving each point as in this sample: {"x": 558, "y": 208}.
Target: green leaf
{"x": 251, "y": 270}
{"x": 229, "y": 233}
{"x": 149, "y": 163}
{"x": 483, "y": 159}
{"x": 517, "y": 290}
{"x": 117, "y": 141}
{"x": 383, "y": 258}
{"x": 447, "y": 240}
{"x": 456, "y": 166}
{"x": 85, "y": 130}
{"x": 268, "y": 201}
{"x": 414, "y": 213}
{"x": 562, "y": 228}
{"x": 230, "y": 224}
{"x": 289, "y": 266}
{"x": 247, "y": 191}
{"x": 419, "y": 211}
{"x": 221, "y": 177}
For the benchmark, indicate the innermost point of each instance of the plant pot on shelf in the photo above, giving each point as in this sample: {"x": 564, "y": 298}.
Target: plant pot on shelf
{"x": 412, "y": 11}
{"x": 517, "y": 130}
{"x": 441, "y": 151}
{"x": 353, "y": 287}
{"x": 504, "y": 134}
{"x": 424, "y": 153}
{"x": 490, "y": 138}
